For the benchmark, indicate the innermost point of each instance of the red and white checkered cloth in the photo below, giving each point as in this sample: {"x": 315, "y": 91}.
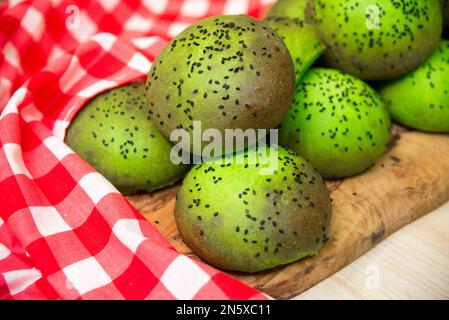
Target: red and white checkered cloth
{"x": 65, "y": 231}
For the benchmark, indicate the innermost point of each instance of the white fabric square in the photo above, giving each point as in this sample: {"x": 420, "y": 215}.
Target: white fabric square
{"x": 4, "y": 251}
{"x": 176, "y": 28}
{"x": 19, "y": 280}
{"x": 235, "y": 6}
{"x": 57, "y": 147}
{"x": 30, "y": 113}
{"x": 96, "y": 87}
{"x": 5, "y": 84}
{"x": 48, "y": 221}
{"x": 144, "y": 42}
{"x": 109, "y": 5}
{"x": 183, "y": 278}
{"x": 138, "y": 23}
{"x": 156, "y": 6}
{"x": 55, "y": 53}
{"x": 195, "y": 8}
{"x": 83, "y": 30}
{"x": 86, "y": 275}
{"x": 129, "y": 233}
{"x": 105, "y": 40}
{"x": 59, "y": 128}
{"x": 16, "y": 99}
{"x": 13, "y": 154}
{"x": 5, "y": 87}
{"x": 34, "y": 23}
{"x": 12, "y": 55}
{"x": 139, "y": 62}
{"x": 72, "y": 75}
{"x": 13, "y": 3}
{"x": 96, "y": 186}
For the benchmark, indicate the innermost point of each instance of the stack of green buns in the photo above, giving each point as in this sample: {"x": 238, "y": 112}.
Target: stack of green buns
{"x": 327, "y": 74}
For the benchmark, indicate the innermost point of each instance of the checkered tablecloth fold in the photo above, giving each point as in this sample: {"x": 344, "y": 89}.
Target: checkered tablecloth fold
{"x": 65, "y": 231}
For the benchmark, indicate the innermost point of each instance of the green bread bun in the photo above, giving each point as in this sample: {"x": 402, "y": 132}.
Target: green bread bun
{"x": 302, "y": 41}
{"x": 236, "y": 218}
{"x": 294, "y": 9}
{"x": 377, "y": 39}
{"x": 337, "y": 122}
{"x": 229, "y": 72}
{"x": 113, "y": 134}
{"x": 420, "y": 100}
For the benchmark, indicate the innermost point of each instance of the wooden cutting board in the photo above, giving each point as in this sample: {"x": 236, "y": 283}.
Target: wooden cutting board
{"x": 410, "y": 180}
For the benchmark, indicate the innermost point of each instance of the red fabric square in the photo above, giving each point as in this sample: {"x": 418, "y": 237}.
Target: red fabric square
{"x": 48, "y": 265}
{"x": 4, "y": 290}
{"x": 47, "y": 95}
{"x": 57, "y": 184}
{"x": 32, "y": 55}
{"x": 234, "y": 289}
{"x": 11, "y": 197}
{"x": 94, "y": 233}
{"x": 137, "y": 281}
{"x": 97, "y": 62}
{"x": 46, "y": 289}
{"x": 30, "y": 140}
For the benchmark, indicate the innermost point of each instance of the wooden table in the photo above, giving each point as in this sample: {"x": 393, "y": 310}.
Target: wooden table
{"x": 413, "y": 263}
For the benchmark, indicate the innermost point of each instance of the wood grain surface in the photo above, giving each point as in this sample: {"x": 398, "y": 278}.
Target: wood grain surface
{"x": 412, "y": 263}
{"x": 410, "y": 180}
